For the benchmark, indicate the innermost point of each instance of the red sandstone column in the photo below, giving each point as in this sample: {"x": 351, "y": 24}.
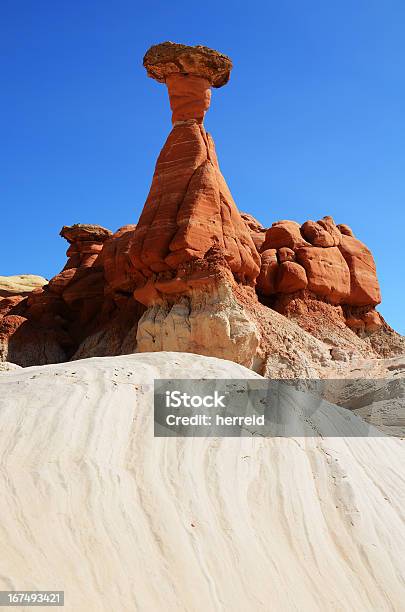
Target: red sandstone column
{"x": 189, "y": 210}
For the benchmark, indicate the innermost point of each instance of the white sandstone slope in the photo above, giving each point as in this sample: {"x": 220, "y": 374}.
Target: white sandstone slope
{"x": 93, "y": 504}
{"x": 20, "y": 284}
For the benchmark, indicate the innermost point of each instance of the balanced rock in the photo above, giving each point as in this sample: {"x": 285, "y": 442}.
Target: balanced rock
{"x": 189, "y": 209}
{"x": 86, "y": 242}
{"x": 191, "y": 242}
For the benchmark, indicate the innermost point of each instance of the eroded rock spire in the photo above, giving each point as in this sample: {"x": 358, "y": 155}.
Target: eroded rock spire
{"x": 189, "y": 209}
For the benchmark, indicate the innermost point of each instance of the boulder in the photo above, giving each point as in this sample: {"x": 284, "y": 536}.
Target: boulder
{"x": 316, "y": 234}
{"x": 284, "y": 234}
{"x": 372, "y": 321}
{"x": 285, "y": 254}
{"x": 266, "y": 281}
{"x": 291, "y": 277}
{"x": 364, "y": 286}
{"x": 327, "y": 271}
{"x": 167, "y": 59}
{"x": 345, "y": 230}
{"x": 329, "y": 225}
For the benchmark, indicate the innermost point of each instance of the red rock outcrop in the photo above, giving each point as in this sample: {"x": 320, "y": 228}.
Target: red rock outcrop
{"x": 190, "y": 217}
{"x": 256, "y": 229}
{"x": 266, "y": 281}
{"x": 92, "y": 294}
{"x": 364, "y": 287}
{"x": 189, "y": 209}
{"x": 284, "y": 234}
{"x": 291, "y": 277}
{"x": 118, "y": 271}
{"x": 329, "y": 262}
{"x": 327, "y": 272}
{"x": 187, "y": 277}
{"x": 86, "y": 242}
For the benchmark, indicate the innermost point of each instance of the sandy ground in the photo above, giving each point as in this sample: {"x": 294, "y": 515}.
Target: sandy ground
{"x": 92, "y": 504}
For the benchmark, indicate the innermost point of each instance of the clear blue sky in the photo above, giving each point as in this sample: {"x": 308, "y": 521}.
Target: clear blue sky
{"x": 311, "y": 123}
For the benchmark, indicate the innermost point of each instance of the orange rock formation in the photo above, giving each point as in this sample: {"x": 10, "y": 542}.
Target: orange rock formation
{"x": 196, "y": 275}
{"x": 325, "y": 259}
{"x": 189, "y": 209}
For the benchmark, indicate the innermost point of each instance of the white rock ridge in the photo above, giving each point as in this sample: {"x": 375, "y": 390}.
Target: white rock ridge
{"x": 93, "y": 504}
{"x": 20, "y": 284}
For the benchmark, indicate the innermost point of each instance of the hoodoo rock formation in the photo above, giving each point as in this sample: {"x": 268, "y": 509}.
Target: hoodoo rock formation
{"x": 191, "y": 243}
{"x": 189, "y": 209}
{"x": 196, "y": 275}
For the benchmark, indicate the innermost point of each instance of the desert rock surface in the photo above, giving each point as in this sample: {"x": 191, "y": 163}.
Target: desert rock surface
{"x": 196, "y": 275}
{"x": 20, "y": 284}
{"x": 94, "y": 505}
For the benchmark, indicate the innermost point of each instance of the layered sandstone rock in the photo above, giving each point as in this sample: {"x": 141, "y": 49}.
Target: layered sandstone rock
{"x": 20, "y": 285}
{"x": 188, "y": 276}
{"x": 118, "y": 272}
{"x": 89, "y": 300}
{"x": 86, "y": 242}
{"x": 256, "y": 229}
{"x": 14, "y": 291}
{"x": 189, "y": 214}
{"x": 189, "y": 209}
{"x": 206, "y": 320}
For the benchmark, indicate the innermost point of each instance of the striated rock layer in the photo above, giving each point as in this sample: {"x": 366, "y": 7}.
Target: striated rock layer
{"x": 190, "y": 210}
{"x": 188, "y": 220}
{"x": 310, "y": 523}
